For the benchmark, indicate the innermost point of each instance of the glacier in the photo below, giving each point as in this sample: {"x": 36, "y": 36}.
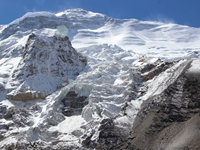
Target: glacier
{"x": 90, "y": 92}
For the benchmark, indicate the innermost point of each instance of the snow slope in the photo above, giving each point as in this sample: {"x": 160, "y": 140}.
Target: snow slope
{"x": 116, "y": 51}
{"x": 155, "y": 39}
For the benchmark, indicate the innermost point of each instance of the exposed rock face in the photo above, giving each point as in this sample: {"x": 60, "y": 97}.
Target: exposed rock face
{"x": 110, "y": 136}
{"x": 41, "y": 146}
{"x": 20, "y": 116}
{"x": 26, "y": 96}
{"x": 46, "y": 65}
{"x": 171, "y": 120}
{"x": 14, "y": 117}
{"x": 73, "y": 104}
{"x": 3, "y": 127}
{"x": 3, "y": 110}
{"x": 152, "y": 70}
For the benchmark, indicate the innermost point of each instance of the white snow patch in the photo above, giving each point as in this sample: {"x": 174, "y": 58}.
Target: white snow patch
{"x": 32, "y": 15}
{"x": 194, "y": 68}
{"x": 70, "y": 124}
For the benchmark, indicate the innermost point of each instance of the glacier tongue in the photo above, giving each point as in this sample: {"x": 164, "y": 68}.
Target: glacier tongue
{"x": 110, "y": 78}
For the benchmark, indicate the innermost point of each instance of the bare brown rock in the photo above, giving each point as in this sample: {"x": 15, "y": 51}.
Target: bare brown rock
{"x": 27, "y": 96}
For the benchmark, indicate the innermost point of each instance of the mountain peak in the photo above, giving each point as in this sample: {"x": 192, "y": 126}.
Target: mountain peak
{"x": 46, "y": 64}
{"x": 79, "y": 12}
{"x": 32, "y": 15}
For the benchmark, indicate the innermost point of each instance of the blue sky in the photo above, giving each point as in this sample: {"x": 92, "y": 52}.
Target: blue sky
{"x": 185, "y": 12}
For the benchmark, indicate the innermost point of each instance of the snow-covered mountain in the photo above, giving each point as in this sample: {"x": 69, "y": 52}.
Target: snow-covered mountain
{"x": 116, "y": 85}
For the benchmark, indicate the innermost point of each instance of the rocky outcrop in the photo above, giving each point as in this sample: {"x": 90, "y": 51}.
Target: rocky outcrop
{"x": 3, "y": 127}
{"x": 109, "y": 137}
{"x": 46, "y": 65}
{"x": 57, "y": 145}
{"x": 171, "y": 120}
{"x": 151, "y": 70}
{"x": 3, "y": 110}
{"x": 12, "y": 118}
{"x": 20, "y": 116}
{"x": 26, "y": 96}
{"x": 73, "y": 104}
